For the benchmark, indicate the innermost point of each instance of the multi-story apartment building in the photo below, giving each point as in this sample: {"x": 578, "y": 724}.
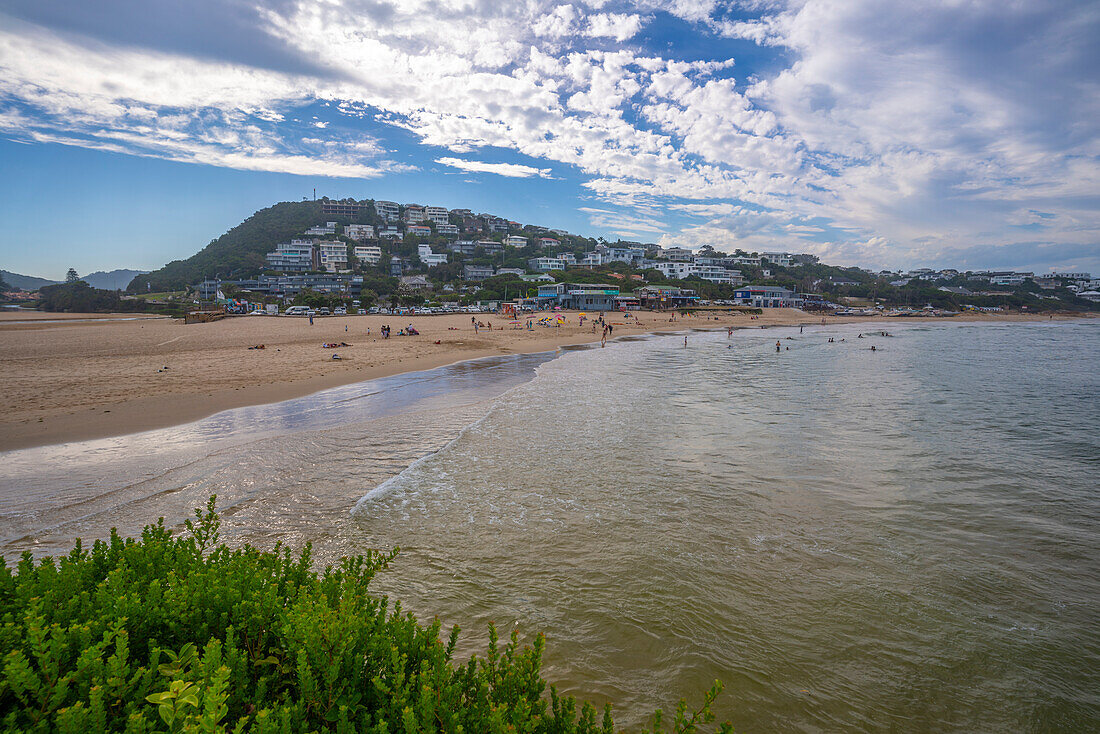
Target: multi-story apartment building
{"x": 545, "y": 264}
{"x": 549, "y": 242}
{"x": 415, "y": 213}
{"x": 368, "y": 255}
{"x": 420, "y": 230}
{"x": 341, "y": 208}
{"x": 515, "y": 241}
{"x": 437, "y": 214}
{"x": 333, "y": 255}
{"x": 447, "y": 230}
{"x": 359, "y": 232}
{"x": 388, "y": 210}
{"x": 678, "y": 254}
{"x": 296, "y": 256}
{"x": 389, "y": 233}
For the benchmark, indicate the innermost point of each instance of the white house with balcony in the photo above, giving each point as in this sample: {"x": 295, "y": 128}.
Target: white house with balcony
{"x": 545, "y": 264}
{"x": 359, "y": 232}
{"x": 437, "y": 214}
{"x": 515, "y": 241}
{"x": 430, "y": 258}
{"x": 328, "y": 228}
{"x": 388, "y": 210}
{"x": 333, "y": 256}
{"x": 368, "y": 255}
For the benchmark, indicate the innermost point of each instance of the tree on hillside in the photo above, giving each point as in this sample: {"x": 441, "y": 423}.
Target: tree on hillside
{"x": 4, "y": 284}
{"x": 72, "y": 276}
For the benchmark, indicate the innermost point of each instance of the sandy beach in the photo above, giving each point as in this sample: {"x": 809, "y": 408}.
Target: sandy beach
{"x": 70, "y": 377}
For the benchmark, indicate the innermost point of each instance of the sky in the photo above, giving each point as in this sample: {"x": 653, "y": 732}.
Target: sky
{"x": 881, "y": 133}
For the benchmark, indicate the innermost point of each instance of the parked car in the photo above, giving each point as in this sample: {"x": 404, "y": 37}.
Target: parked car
{"x": 258, "y": 312}
{"x": 297, "y": 311}
{"x": 324, "y": 311}
{"x": 340, "y": 311}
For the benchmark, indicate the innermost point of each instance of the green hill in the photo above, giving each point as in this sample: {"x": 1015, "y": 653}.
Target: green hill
{"x": 24, "y": 282}
{"x": 240, "y": 249}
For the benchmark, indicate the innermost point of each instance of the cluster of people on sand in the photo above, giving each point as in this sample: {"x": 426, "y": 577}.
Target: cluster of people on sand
{"x": 334, "y": 345}
{"x": 478, "y": 325}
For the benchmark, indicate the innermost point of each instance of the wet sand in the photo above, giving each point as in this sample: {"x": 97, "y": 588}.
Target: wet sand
{"x": 70, "y": 377}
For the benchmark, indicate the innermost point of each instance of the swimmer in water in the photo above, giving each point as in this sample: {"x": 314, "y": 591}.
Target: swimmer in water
{"x": 777, "y": 345}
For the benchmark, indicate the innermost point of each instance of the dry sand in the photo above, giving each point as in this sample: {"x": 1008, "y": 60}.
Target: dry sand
{"x": 87, "y": 376}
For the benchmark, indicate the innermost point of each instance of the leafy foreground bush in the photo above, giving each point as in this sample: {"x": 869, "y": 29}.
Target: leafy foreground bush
{"x": 182, "y": 634}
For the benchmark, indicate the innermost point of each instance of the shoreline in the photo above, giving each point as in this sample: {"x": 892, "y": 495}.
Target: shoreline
{"x": 109, "y": 383}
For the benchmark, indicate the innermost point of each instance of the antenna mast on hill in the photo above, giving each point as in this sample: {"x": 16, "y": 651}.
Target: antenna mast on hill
{"x": 315, "y": 194}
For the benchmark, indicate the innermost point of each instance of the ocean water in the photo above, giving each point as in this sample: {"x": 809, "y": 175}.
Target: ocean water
{"x": 899, "y": 540}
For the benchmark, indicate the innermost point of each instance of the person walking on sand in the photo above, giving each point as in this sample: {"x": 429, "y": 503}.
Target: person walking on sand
{"x": 311, "y": 319}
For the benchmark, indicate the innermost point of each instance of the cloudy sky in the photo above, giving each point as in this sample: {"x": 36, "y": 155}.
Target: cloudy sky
{"x": 889, "y": 133}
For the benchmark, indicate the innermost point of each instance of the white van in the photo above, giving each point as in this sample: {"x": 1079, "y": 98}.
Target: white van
{"x": 297, "y": 311}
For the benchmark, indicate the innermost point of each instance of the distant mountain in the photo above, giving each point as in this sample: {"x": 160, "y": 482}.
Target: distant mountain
{"x": 112, "y": 281}
{"x": 25, "y": 282}
{"x": 240, "y": 249}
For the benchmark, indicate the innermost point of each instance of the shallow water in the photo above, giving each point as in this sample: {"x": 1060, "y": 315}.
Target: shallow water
{"x": 904, "y": 539}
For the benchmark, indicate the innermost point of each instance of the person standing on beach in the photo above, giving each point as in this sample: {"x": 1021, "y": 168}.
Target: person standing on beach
{"x": 311, "y": 319}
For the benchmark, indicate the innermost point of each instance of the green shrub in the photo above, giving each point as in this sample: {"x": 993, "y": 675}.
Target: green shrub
{"x": 183, "y": 634}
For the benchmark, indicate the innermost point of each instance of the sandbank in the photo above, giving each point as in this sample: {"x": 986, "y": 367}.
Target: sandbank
{"x": 73, "y": 377}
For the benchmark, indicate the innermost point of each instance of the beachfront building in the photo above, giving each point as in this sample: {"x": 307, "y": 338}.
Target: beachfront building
{"x": 515, "y": 241}
{"x": 659, "y": 297}
{"x": 359, "y": 232}
{"x": 476, "y": 272}
{"x": 579, "y": 296}
{"x": 388, "y": 210}
{"x": 538, "y": 278}
{"x": 767, "y": 296}
{"x": 437, "y": 214}
{"x": 430, "y": 258}
{"x": 333, "y": 256}
{"x": 286, "y": 286}
{"x": 296, "y": 256}
{"x": 368, "y": 255}
{"x": 545, "y": 264}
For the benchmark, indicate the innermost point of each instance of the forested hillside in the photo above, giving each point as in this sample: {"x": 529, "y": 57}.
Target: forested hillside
{"x": 241, "y": 248}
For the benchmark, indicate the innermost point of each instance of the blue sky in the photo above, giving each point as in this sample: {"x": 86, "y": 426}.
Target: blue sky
{"x": 885, "y": 134}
